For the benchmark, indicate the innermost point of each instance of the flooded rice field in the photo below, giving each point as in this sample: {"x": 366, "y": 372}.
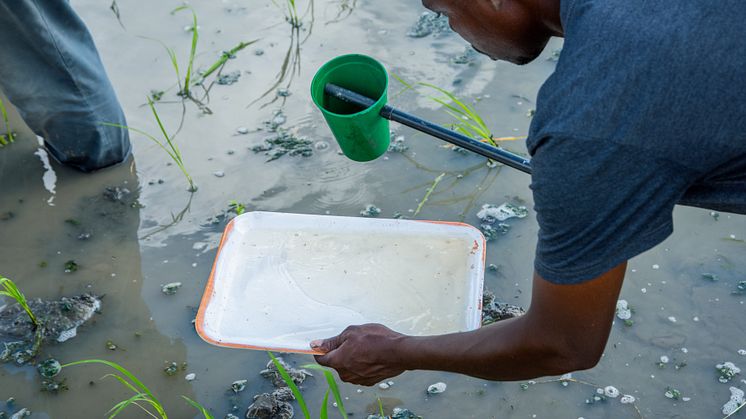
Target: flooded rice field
{"x": 251, "y": 139}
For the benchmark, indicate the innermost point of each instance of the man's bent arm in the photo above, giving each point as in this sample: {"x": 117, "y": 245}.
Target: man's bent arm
{"x": 565, "y": 329}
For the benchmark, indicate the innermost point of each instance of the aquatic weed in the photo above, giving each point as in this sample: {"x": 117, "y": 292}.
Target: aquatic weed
{"x": 143, "y": 397}
{"x": 10, "y": 289}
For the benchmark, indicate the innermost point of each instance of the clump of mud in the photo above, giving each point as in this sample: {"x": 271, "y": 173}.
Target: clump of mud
{"x": 468, "y": 57}
{"x": 273, "y": 375}
{"x": 59, "y": 320}
{"x": 397, "y": 144}
{"x": 430, "y": 23}
{"x": 229, "y": 78}
{"x": 494, "y": 311}
{"x": 492, "y": 218}
{"x": 397, "y": 413}
{"x": 282, "y": 141}
{"x": 276, "y": 405}
{"x": 370, "y": 210}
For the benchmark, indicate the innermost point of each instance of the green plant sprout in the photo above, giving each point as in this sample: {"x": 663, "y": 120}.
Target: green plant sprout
{"x": 380, "y": 407}
{"x": 184, "y": 90}
{"x": 323, "y": 413}
{"x": 9, "y": 136}
{"x": 224, "y": 57}
{"x": 143, "y": 397}
{"x": 169, "y": 146}
{"x": 292, "y": 13}
{"x": 236, "y": 207}
{"x": 10, "y": 289}
{"x": 290, "y": 66}
{"x": 190, "y": 79}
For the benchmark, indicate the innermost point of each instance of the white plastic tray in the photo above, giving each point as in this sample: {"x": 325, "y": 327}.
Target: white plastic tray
{"x": 282, "y": 280}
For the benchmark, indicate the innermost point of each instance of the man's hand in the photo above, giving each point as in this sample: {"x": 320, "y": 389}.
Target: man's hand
{"x": 361, "y": 354}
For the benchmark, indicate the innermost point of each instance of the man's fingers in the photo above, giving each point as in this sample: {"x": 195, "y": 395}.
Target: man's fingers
{"x": 330, "y": 344}
{"x": 327, "y": 345}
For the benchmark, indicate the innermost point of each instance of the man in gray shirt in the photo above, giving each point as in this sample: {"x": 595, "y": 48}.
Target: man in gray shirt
{"x": 645, "y": 110}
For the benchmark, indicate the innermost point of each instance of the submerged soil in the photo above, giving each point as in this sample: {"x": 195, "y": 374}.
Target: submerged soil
{"x": 134, "y": 228}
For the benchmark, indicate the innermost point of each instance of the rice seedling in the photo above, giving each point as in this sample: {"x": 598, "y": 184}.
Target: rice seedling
{"x": 169, "y": 146}
{"x": 468, "y": 121}
{"x": 224, "y": 57}
{"x": 8, "y": 288}
{"x": 142, "y": 398}
{"x": 333, "y": 388}
{"x": 292, "y": 13}
{"x": 9, "y": 135}
{"x": 184, "y": 90}
{"x": 291, "y": 64}
{"x": 380, "y": 407}
{"x": 187, "y": 83}
{"x": 236, "y": 207}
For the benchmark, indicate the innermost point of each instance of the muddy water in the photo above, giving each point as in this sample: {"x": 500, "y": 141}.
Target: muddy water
{"x": 172, "y": 235}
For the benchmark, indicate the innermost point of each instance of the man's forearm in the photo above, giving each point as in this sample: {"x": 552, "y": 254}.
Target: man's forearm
{"x": 565, "y": 330}
{"x": 513, "y": 349}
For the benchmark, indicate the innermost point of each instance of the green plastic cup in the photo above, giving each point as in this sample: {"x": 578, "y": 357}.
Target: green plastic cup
{"x": 363, "y": 135}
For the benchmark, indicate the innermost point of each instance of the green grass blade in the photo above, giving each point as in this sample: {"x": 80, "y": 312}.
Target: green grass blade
{"x": 225, "y": 57}
{"x": 124, "y": 382}
{"x": 380, "y": 407}
{"x": 11, "y": 290}
{"x": 143, "y": 133}
{"x": 119, "y": 407}
{"x": 332, "y": 386}
{"x": 6, "y": 121}
{"x": 324, "y": 413}
{"x": 192, "y": 50}
{"x": 466, "y": 109}
{"x": 294, "y": 388}
{"x": 199, "y": 407}
{"x": 176, "y": 153}
{"x": 137, "y": 383}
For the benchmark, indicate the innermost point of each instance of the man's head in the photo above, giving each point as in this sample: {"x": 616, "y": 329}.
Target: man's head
{"x": 511, "y": 30}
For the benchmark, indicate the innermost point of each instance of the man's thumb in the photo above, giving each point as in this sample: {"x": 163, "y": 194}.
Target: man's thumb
{"x": 326, "y": 345}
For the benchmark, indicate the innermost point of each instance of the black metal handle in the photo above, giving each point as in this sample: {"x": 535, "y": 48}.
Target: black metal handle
{"x": 505, "y": 157}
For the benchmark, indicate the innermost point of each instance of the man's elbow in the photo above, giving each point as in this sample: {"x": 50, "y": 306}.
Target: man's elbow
{"x": 576, "y": 358}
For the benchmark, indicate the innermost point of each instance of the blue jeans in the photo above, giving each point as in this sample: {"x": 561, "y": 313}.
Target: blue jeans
{"x": 51, "y": 72}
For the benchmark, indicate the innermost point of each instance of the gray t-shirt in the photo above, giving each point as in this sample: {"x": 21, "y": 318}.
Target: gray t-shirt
{"x": 645, "y": 110}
